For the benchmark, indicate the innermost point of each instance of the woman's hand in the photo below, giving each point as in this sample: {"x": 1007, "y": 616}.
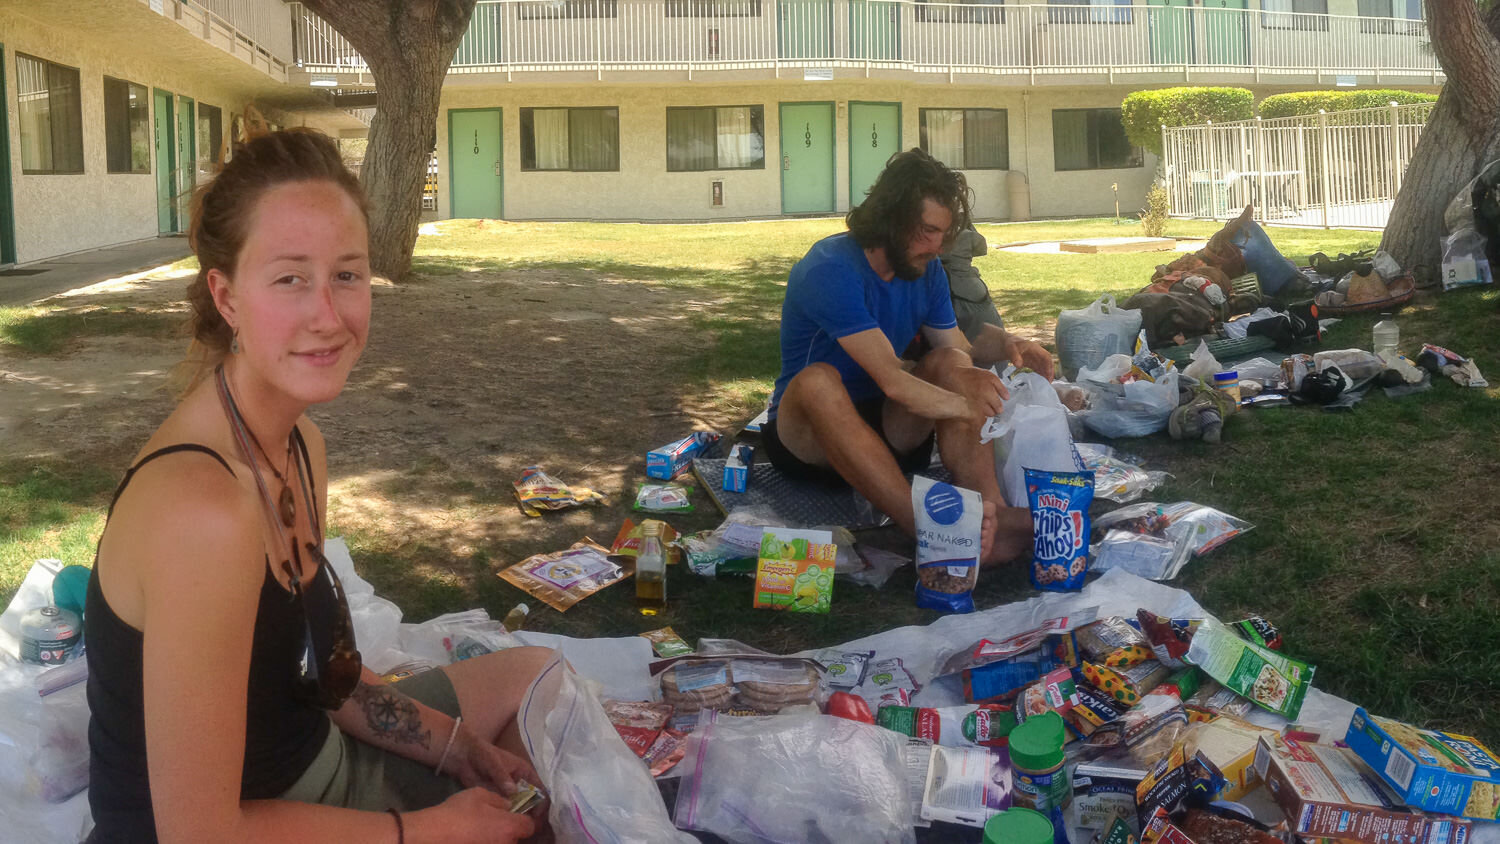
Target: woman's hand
{"x": 472, "y": 815}
{"x": 476, "y": 762}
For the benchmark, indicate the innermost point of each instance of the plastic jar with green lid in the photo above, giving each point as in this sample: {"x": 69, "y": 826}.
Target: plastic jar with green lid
{"x": 1036, "y": 754}
{"x": 1018, "y": 826}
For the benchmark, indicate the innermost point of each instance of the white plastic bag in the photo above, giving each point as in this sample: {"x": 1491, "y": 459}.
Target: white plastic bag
{"x": 1204, "y": 364}
{"x": 1464, "y": 261}
{"x": 1031, "y": 432}
{"x": 795, "y": 778}
{"x": 1110, "y": 371}
{"x": 599, "y": 789}
{"x": 1137, "y": 409}
{"x": 1086, "y": 337}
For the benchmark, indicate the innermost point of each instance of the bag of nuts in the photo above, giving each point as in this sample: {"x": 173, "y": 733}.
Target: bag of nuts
{"x": 948, "y": 525}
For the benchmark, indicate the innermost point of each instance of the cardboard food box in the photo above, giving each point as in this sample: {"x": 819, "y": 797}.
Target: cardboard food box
{"x": 1104, "y": 794}
{"x": 1327, "y": 792}
{"x": 671, "y": 459}
{"x": 737, "y": 468}
{"x": 1230, "y": 744}
{"x": 795, "y": 570}
{"x": 1430, "y": 769}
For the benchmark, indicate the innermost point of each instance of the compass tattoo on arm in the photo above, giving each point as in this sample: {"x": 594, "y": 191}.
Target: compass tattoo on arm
{"x": 392, "y": 715}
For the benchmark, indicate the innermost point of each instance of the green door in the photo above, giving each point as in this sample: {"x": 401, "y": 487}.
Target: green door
{"x": 875, "y": 30}
{"x": 166, "y": 162}
{"x": 1171, "y": 30}
{"x": 187, "y": 158}
{"x": 807, "y": 158}
{"x": 804, "y": 29}
{"x": 7, "y": 209}
{"x": 474, "y": 164}
{"x": 1226, "y": 40}
{"x": 874, "y": 136}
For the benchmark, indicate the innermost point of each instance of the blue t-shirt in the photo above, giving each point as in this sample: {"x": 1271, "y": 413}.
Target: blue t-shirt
{"x": 832, "y": 293}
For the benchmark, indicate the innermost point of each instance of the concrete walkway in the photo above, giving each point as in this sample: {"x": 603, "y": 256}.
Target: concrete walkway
{"x": 70, "y": 272}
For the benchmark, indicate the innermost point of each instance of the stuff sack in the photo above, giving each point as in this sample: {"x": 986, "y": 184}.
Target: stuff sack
{"x": 1086, "y": 337}
{"x": 948, "y": 523}
{"x": 1060, "y": 504}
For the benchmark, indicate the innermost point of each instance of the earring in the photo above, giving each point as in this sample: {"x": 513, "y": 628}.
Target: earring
{"x": 234, "y": 345}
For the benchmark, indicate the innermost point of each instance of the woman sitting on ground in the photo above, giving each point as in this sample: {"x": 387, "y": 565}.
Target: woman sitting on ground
{"x": 228, "y": 699}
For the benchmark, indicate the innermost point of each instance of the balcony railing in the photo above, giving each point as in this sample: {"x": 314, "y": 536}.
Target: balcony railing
{"x": 258, "y": 23}
{"x": 598, "y": 35}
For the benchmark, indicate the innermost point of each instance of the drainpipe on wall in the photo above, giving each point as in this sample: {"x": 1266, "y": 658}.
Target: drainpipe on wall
{"x": 1017, "y": 185}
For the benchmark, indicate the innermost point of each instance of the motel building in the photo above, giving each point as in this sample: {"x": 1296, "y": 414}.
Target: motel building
{"x": 653, "y": 110}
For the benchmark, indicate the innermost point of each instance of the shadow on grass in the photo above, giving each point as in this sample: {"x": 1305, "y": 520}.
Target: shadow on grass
{"x": 48, "y": 510}
{"x": 42, "y": 332}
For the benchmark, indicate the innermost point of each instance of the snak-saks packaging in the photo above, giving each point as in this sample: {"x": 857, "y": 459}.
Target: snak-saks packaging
{"x": 1060, "y": 504}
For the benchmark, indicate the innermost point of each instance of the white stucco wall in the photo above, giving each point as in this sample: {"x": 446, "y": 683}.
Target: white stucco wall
{"x": 61, "y": 214}
{"x": 643, "y": 189}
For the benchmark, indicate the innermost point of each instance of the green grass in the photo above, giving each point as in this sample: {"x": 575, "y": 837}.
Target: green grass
{"x": 49, "y": 331}
{"x": 1375, "y": 546}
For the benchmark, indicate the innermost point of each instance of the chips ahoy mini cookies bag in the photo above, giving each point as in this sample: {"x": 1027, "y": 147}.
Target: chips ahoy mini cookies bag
{"x": 1060, "y": 504}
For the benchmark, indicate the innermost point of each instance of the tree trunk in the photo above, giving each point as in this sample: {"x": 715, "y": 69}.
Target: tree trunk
{"x": 1461, "y": 136}
{"x": 408, "y": 45}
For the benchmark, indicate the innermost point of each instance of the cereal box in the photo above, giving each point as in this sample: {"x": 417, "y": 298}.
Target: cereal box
{"x": 795, "y": 570}
{"x": 1432, "y": 770}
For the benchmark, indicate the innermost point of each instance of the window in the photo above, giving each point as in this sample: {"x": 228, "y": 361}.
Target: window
{"x": 1091, "y": 139}
{"x": 210, "y": 138}
{"x": 713, "y": 8}
{"x": 964, "y": 11}
{"x": 1095, "y": 11}
{"x": 967, "y": 138}
{"x": 542, "y": 10}
{"x": 722, "y": 138}
{"x": 127, "y": 127}
{"x": 1408, "y": 14}
{"x": 1304, "y": 21}
{"x": 570, "y": 139}
{"x": 50, "y": 116}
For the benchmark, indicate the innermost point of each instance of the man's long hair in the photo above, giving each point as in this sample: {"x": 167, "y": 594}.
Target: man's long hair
{"x": 893, "y": 208}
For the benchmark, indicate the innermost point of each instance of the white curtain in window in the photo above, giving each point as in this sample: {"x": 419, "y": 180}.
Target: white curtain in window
{"x": 35, "y": 118}
{"x": 549, "y": 127}
{"x": 595, "y": 136}
{"x": 739, "y": 144}
{"x": 690, "y": 139}
{"x": 943, "y": 131}
{"x": 1070, "y": 140}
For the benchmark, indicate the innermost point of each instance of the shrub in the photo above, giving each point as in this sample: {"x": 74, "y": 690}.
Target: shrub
{"x": 1310, "y": 102}
{"x": 1154, "y": 215}
{"x": 1145, "y": 112}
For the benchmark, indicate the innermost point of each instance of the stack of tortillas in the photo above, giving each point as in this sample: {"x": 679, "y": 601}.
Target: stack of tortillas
{"x": 770, "y": 685}
{"x": 691, "y": 686}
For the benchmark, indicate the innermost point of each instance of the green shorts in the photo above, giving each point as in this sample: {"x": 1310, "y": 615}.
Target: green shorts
{"x": 354, "y": 775}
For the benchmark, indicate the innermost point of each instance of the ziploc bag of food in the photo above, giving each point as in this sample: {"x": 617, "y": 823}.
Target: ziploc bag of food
{"x": 795, "y": 570}
{"x": 1060, "y": 504}
{"x": 563, "y": 578}
{"x": 1126, "y": 685}
{"x": 1114, "y": 643}
{"x": 627, "y": 544}
{"x": 999, "y": 670}
{"x": 537, "y": 491}
{"x": 664, "y": 498}
{"x": 1273, "y": 682}
{"x": 948, "y": 523}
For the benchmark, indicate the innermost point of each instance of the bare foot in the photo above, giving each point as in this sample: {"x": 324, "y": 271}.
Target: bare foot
{"x": 987, "y": 528}
{"x": 1011, "y": 537}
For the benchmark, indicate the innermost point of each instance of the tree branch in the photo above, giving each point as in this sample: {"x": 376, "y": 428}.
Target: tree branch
{"x": 1467, "y": 49}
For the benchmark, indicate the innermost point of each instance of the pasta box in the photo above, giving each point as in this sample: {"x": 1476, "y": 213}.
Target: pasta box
{"x": 1430, "y": 769}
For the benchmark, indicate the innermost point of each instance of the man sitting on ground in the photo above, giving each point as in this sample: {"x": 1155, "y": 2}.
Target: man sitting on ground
{"x": 845, "y": 409}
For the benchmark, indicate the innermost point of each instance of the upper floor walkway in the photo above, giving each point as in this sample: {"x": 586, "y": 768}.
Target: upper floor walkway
{"x": 1160, "y": 41}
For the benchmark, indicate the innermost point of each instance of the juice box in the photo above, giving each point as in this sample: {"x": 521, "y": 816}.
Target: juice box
{"x": 1430, "y": 769}
{"x": 795, "y": 570}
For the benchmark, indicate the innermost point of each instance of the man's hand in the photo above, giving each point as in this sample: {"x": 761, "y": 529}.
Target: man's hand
{"x": 982, "y": 390}
{"x": 1029, "y": 354}
{"x": 475, "y": 762}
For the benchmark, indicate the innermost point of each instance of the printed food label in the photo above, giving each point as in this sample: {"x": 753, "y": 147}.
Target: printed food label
{"x": 567, "y": 571}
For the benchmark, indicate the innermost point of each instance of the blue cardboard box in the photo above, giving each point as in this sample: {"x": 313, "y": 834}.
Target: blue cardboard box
{"x": 1432, "y": 770}
{"x": 737, "y": 468}
{"x": 667, "y": 462}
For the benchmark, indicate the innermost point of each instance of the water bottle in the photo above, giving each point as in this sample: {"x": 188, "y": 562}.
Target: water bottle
{"x": 1387, "y": 335}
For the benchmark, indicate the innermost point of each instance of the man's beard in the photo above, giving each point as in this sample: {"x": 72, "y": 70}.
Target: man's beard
{"x": 900, "y": 260}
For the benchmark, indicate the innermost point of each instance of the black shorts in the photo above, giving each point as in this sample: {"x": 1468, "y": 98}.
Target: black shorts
{"x": 870, "y": 410}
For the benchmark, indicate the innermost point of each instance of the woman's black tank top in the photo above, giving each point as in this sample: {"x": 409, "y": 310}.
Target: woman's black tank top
{"x": 282, "y": 734}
